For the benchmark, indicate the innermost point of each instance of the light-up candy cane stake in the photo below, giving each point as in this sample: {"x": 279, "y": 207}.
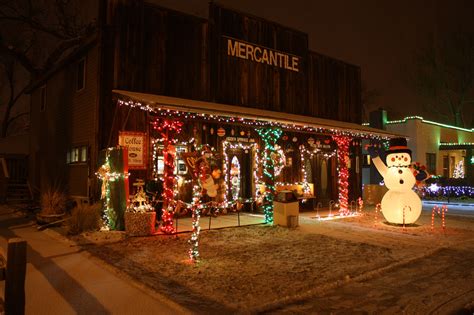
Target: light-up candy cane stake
{"x": 377, "y": 210}
{"x": 331, "y": 204}
{"x": 404, "y": 215}
{"x": 444, "y": 209}
{"x": 435, "y": 209}
{"x": 441, "y": 211}
{"x": 360, "y": 203}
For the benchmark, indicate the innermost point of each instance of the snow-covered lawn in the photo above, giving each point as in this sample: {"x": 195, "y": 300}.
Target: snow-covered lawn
{"x": 264, "y": 268}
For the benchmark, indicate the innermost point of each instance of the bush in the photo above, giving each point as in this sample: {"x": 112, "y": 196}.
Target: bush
{"x": 53, "y": 201}
{"x": 85, "y": 217}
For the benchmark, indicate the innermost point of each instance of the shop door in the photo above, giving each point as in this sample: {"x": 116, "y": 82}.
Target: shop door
{"x": 240, "y": 174}
{"x": 324, "y": 178}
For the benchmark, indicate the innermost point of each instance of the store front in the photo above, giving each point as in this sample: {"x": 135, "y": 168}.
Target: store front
{"x": 249, "y": 154}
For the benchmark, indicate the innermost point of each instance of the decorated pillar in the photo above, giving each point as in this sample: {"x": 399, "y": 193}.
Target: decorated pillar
{"x": 113, "y": 174}
{"x": 269, "y": 137}
{"x": 342, "y": 171}
{"x": 168, "y": 129}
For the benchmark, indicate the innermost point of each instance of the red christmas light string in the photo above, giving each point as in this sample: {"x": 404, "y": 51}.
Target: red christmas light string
{"x": 343, "y": 143}
{"x": 168, "y": 129}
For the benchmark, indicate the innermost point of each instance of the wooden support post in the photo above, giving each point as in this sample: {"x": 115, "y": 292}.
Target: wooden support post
{"x": 15, "y": 277}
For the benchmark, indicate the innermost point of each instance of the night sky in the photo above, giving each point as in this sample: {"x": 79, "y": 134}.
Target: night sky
{"x": 379, "y": 36}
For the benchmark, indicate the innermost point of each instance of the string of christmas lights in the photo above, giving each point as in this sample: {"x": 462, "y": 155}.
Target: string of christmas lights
{"x": 105, "y": 175}
{"x": 269, "y": 137}
{"x": 256, "y": 123}
{"x": 435, "y": 190}
{"x": 168, "y": 130}
{"x": 343, "y": 171}
{"x": 230, "y": 145}
{"x": 196, "y": 215}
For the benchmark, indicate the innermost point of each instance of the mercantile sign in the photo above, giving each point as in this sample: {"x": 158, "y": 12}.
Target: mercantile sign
{"x": 244, "y": 50}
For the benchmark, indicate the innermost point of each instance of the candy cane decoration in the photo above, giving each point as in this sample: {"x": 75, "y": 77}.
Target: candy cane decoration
{"x": 409, "y": 208}
{"x": 440, "y": 211}
{"x": 377, "y": 210}
{"x": 360, "y": 203}
{"x": 331, "y": 203}
{"x": 435, "y": 209}
{"x": 444, "y": 209}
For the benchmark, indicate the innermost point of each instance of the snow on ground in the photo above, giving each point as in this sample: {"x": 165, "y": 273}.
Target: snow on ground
{"x": 322, "y": 266}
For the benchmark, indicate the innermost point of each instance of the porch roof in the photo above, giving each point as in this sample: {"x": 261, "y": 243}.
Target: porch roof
{"x": 157, "y": 103}
{"x": 456, "y": 146}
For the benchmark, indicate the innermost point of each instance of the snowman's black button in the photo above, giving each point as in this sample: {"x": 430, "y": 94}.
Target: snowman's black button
{"x": 400, "y": 171}
{"x": 401, "y": 181}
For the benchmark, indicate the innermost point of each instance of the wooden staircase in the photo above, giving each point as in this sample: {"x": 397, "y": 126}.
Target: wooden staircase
{"x": 18, "y": 192}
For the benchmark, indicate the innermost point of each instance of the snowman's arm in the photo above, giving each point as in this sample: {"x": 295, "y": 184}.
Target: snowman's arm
{"x": 380, "y": 165}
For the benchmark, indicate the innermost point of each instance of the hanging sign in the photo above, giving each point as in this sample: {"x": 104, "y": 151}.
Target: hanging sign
{"x": 136, "y": 144}
{"x": 237, "y": 139}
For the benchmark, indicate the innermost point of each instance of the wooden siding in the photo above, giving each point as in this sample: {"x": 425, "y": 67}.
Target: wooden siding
{"x": 334, "y": 89}
{"x": 68, "y": 120}
{"x": 243, "y": 82}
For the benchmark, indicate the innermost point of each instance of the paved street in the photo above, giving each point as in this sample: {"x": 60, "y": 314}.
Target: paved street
{"x": 61, "y": 279}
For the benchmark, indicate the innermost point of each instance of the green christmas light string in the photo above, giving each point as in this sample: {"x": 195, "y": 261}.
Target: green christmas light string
{"x": 269, "y": 137}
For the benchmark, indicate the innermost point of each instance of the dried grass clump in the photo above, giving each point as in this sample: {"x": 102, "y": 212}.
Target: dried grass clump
{"x": 53, "y": 201}
{"x": 84, "y": 218}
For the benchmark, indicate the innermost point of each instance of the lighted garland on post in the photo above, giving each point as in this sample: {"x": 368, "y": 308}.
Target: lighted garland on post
{"x": 105, "y": 175}
{"x": 343, "y": 143}
{"x": 269, "y": 137}
{"x": 168, "y": 128}
{"x": 200, "y": 174}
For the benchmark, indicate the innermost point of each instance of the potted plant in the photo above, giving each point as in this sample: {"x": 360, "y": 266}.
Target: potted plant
{"x": 53, "y": 206}
{"x": 140, "y": 216}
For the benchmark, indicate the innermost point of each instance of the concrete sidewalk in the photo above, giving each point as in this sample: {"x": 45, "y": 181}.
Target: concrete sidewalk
{"x": 61, "y": 279}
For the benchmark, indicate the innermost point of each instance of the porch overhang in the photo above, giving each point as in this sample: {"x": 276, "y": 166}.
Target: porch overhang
{"x": 160, "y": 104}
{"x": 456, "y": 146}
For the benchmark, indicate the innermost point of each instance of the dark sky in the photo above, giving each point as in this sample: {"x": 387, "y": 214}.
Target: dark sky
{"x": 378, "y": 35}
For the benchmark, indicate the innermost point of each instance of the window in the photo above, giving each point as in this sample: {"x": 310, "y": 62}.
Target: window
{"x": 81, "y": 75}
{"x": 431, "y": 163}
{"x": 78, "y": 154}
{"x": 43, "y": 98}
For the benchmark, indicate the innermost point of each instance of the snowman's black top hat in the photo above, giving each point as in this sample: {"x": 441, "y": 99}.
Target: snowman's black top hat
{"x": 398, "y": 145}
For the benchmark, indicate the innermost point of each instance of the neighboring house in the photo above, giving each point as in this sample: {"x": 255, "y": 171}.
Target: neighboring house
{"x": 177, "y": 62}
{"x": 445, "y": 150}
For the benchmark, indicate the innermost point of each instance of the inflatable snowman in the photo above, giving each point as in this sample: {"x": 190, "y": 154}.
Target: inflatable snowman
{"x": 400, "y": 204}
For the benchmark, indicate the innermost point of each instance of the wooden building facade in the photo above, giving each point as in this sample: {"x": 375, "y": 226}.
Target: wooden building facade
{"x": 231, "y": 58}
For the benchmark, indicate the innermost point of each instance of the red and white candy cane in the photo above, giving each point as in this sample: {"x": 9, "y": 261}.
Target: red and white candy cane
{"x": 444, "y": 209}
{"x": 435, "y": 209}
{"x": 377, "y": 210}
{"x": 409, "y": 208}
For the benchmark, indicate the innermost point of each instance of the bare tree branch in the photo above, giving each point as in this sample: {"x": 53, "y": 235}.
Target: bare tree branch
{"x": 20, "y": 57}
